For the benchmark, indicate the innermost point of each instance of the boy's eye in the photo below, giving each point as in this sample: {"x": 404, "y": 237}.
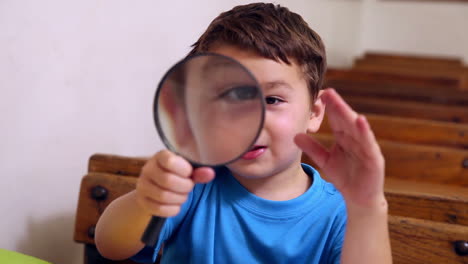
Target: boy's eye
{"x": 273, "y": 100}
{"x": 240, "y": 93}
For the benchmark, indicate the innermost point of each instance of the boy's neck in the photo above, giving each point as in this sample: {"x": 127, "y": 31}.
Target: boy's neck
{"x": 283, "y": 186}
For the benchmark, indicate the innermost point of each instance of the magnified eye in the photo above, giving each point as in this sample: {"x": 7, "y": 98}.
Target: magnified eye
{"x": 240, "y": 93}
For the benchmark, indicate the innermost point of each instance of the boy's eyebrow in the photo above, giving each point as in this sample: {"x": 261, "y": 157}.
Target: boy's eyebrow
{"x": 275, "y": 84}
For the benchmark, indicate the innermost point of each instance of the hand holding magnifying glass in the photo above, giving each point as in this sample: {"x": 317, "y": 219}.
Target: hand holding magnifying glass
{"x": 208, "y": 109}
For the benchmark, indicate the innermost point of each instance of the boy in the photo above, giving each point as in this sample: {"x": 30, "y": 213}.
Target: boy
{"x": 266, "y": 207}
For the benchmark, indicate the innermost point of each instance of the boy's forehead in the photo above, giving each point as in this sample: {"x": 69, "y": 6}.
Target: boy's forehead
{"x": 265, "y": 69}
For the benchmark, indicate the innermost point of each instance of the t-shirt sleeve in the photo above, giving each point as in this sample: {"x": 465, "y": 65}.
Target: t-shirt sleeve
{"x": 149, "y": 254}
{"x": 337, "y": 245}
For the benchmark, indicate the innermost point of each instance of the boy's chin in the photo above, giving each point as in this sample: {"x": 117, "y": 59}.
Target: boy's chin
{"x": 261, "y": 168}
{"x": 250, "y": 171}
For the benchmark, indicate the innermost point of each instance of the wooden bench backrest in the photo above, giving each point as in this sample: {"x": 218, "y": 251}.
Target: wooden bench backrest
{"x": 412, "y": 60}
{"x": 389, "y": 87}
{"x": 435, "y": 214}
{"x": 414, "y": 66}
{"x": 409, "y": 65}
{"x": 416, "y": 131}
{"x": 418, "y": 162}
{"x": 388, "y": 77}
{"x": 408, "y": 109}
{"x": 449, "y": 71}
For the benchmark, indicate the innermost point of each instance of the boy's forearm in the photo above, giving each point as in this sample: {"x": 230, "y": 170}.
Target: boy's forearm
{"x": 120, "y": 227}
{"x": 367, "y": 237}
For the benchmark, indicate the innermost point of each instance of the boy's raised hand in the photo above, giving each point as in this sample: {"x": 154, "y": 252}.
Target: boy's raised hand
{"x": 165, "y": 182}
{"x": 354, "y": 164}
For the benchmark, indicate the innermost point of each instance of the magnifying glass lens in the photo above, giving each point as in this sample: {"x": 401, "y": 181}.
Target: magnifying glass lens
{"x": 209, "y": 109}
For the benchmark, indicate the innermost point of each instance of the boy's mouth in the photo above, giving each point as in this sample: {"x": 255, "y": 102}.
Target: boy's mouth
{"x": 254, "y": 152}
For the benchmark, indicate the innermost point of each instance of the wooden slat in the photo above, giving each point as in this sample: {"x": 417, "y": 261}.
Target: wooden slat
{"x": 116, "y": 164}
{"x": 464, "y": 83}
{"x": 389, "y": 89}
{"x": 418, "y": 131}
{"x": 432, "y": 90}
{"x": 418, "y": 162}
{"x": 89, "y": 210}
{"x": 406, "y": 59}
{"x": 435, "y": 202}
{"x": 445, "y": 113}
{"x": 435, "y": 95}
{"x": 416, "y": 241}
{"x": 387, "y": 77}
{"x": 421, "y": 70}
{"x": 415, "y": 66}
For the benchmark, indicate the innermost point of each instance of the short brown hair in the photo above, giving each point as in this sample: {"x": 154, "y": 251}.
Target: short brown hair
{"x": 273, "y": 32}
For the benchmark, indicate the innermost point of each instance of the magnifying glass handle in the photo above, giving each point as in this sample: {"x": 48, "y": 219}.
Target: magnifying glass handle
{"x": 153, "y": 229}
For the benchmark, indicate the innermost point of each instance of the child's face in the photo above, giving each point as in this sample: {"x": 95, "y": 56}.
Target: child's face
{"x": 289, "y": 111}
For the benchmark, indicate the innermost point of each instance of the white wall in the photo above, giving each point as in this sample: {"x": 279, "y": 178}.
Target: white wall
{"x": 434, "y": 28}
{"x": 78, "y": 77}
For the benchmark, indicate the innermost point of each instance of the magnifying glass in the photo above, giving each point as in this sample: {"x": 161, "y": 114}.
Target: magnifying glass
{"x": 209, "y": 109}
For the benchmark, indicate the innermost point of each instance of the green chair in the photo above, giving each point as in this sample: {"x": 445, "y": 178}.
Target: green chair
{"x": 11, "y": 257}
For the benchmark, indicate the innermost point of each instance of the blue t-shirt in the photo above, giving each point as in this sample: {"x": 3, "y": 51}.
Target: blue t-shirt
{"x": 222, "y": 222}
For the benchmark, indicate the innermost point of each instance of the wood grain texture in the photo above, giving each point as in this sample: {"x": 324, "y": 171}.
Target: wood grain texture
{"x": 415, "y": 65}
{"x": 435, "y": 202}
{"x": 423, "y": 68}
{"x": 417, "y": 162}
{"x": 393, "y": 78}
{"x": 417, "y": 131}
{"x": 89, "y": 210}
{"x": 376, "y": 85}
{"x": 444, "y": 113}
{"x": 411, "y": 59}
{"x": 115, "y": 164}
{"x": 417, "y": 241}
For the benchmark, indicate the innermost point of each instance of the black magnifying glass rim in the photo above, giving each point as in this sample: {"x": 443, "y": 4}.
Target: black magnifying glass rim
{"x": 158, "y": 123}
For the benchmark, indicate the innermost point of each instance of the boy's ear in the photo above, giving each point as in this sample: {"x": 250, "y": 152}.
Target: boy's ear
{"x": 317, "y": 112}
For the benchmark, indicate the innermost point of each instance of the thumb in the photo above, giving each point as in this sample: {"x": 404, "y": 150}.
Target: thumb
{"x": 318, "y": 153}
{"x": 203, "y": 175}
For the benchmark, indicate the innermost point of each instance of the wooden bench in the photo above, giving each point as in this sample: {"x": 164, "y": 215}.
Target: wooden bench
{"x": 108, "y": 178}
{"x": 440, "y": 165}
{"x": 427, "y": 222}
{"x": 398, "y": 87}
{"x": 408, "y": 109}
{"x": 416, "y": 131}
{"x": 410, "y": 65}
{"x": 417, "y": 150}
{"x": 411, "y": 60}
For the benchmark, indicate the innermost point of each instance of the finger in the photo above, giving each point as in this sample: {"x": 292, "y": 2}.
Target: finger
{"x": 313, "y": 149}
{"x": 341, "y": 116}
{"x": 161, "y": 195}
{"x": 363, "y": 147}
{"x": 351, "y": 146}
{"x": 171, "y": 182}
{"x": 203, "y": 175}
{"x": 368, "y": 142}
{"x": 173, "y": 163}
